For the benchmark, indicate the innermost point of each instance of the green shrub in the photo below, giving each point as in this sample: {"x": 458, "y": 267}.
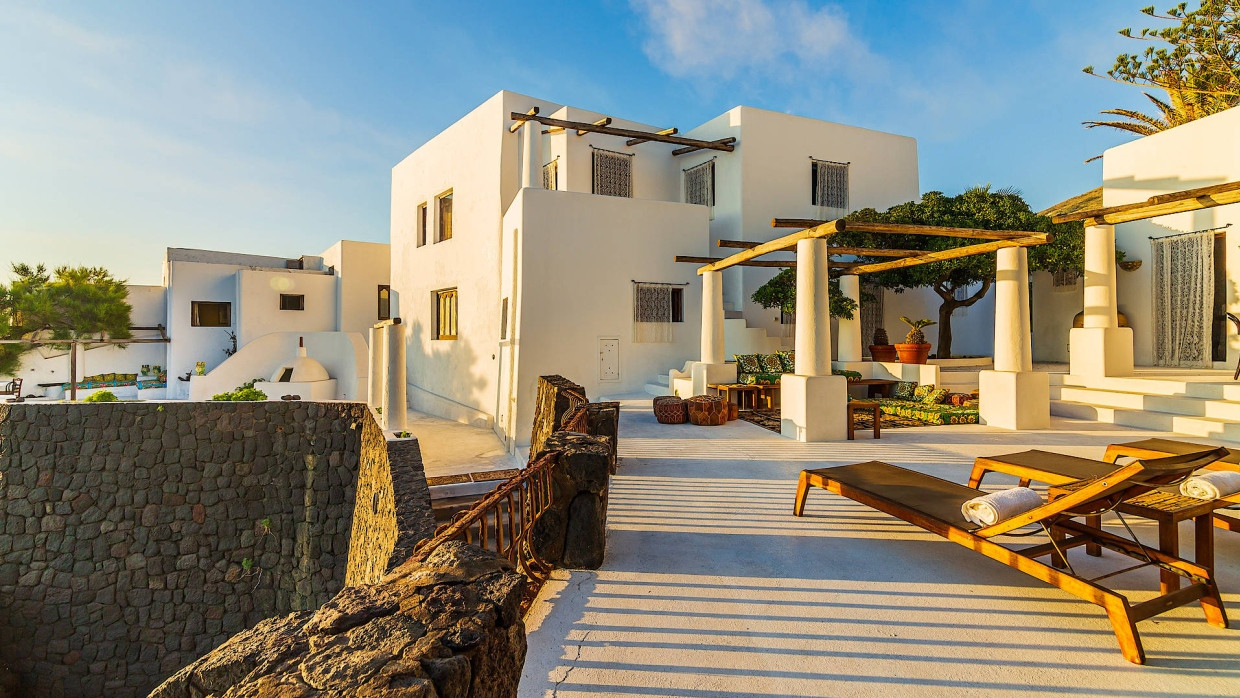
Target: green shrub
{"x": 241, "y": 395}
{"x": 101, "y": 396}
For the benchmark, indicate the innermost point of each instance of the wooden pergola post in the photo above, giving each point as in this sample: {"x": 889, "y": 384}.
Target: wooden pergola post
{"x": 1013, "y": 396}
{"x": 813, "y": 403}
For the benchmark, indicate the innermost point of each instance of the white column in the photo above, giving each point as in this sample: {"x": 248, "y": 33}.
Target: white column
{"x": 1100, "y": 276}
{"x": 375, "y": 367}
{"x": 850, "y": 330}
{"x": 712, "y": 317}
{"x": 531, "y": 155}
{"x": 813, "y": 320}
{"x": 395, "y": 407}
{"x": 1013, "y": 348}
{"x": 1013, "y": 396}
{"x": 1101, "y": 348}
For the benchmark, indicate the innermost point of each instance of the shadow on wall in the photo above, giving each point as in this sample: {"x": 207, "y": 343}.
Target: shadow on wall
{"x": 453, "y": 364}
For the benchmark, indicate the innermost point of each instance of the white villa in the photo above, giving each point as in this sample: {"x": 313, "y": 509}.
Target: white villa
{"x": 521, "y": 251}
{"x": 266, "y": 303}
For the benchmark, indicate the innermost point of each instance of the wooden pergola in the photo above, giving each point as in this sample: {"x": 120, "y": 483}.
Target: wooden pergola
{"x": 814, "y": 229}
{"x": 634, "y": 137}
{"x": 1161, "y": 205}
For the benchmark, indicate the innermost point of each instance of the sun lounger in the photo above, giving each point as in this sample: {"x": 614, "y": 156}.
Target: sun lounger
{"x": 935, "y": 505}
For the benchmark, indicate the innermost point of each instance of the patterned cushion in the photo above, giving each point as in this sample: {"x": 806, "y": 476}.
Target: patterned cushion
{"x": 771, "y": 363}
{"x": 935, "y": 397}
{"x": 790, "y": 360}
{"x": 748, "y": 363}
{"x": 922, "y": 391}
{"x": 957, "y": 399}
{"x": 850, "y": 375}
{"x": 903, "y": 390}
{"x": 930, "y": 414}
{"x": 759, "y": 378}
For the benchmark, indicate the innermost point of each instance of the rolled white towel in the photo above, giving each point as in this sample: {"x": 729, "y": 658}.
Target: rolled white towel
{"x": 990, "y": 509}
{"x": 1211, "y": 484}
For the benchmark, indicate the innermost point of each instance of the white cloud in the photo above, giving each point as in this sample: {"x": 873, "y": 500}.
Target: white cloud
{"x": 726, "y": 39}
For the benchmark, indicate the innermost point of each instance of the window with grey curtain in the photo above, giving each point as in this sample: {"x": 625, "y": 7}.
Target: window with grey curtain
{"x": 652, "y": 313}
{"x": 830, "y": 188}
{"x": 1183, "y": 299}
{"x": 613, "y": 173}
{"x": 700, "y": 184}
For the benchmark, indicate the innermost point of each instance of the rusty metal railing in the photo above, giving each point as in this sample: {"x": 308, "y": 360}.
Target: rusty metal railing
{"x": 503, "y": 521}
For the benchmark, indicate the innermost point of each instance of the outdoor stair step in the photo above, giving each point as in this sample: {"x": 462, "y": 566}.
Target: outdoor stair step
{"x": 1211, "y": 390}
{"x": 1186, "y": 425}
{"x": 1172, "y": 404}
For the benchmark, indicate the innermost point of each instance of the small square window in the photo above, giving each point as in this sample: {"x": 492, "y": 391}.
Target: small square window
{"x": 421, "y": 224}
{"x": 445, "y": 217}
{"x": 292, "y": 301}
{"x": 210, "y": 314}
{"x": 444, "y": 313}
{"x": 385, "y": 302}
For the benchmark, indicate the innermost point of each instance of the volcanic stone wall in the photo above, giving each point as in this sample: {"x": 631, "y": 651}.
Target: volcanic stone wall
{"x": 138, "y": 536}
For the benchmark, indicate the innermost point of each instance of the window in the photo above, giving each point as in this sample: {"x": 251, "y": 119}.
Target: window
{"x": 445, "y": 218}
{"x": 385, "y": 302}
{"x": 421, "y": 224}
{"x": 210, "y": 314}
{"x": 503, "y": 319}
{"x": 444, "y": 312}
{"x": 829, "y": 184}
{"x": 551, "y": 175}
{"x": 700, "y": 184}
{"x": 292, "y": 301}
{"x": 613, "y": 173}
{"x": 678, "y": 305}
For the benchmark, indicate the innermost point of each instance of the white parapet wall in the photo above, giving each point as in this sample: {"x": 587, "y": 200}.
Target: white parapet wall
{"x": 343, "y": 354}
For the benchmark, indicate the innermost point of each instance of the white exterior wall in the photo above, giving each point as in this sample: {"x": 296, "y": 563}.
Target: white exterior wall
{"x": 343, "y": 354}
{"x": 360, "y": 268}
{"x": 258, "y": 312}
{"x": 1197, "y": 154}
{"x": 575, "y": 289}
{"x": 148, "y": 311}
{"x": 188, "y": 282}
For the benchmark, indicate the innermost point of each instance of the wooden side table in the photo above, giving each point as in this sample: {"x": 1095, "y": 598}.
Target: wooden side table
{"x": 863, "y": 405}
{"x": 741, "y": 390}
{"x": 1168, "y": 509}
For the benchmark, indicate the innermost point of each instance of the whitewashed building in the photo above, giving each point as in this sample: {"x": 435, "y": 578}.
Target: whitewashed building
{"x": 217, "y": 306}
{"x": 541, "y": 249}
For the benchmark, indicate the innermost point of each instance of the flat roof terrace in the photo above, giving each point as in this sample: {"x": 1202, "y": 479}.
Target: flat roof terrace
{"x": 712, "y": 588}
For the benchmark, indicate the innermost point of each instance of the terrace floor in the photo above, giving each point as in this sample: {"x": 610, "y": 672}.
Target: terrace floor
{"x": 712, "y": 588}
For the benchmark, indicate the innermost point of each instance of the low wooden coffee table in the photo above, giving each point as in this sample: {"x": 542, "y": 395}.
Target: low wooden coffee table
{"x": 864, "y": 405}
{"x": 741, "y": 390}
{"x": 875, "y": 387}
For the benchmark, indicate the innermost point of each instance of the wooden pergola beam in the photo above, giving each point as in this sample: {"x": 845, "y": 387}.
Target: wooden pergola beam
{"x": 781, "y": 243}
{"x": 665, "y": 132}
{"x": 605, "y": 121}
{"x": 622, "y": 132}
{"x": 781, "y": 264}
{"x": 907, "y": 229}
{"x": 513, "y": 127}
{"x": 1161, "y": 205}
{"x": 717, "y": 145}
{"x": 954, "y": 253}
{"x": 859, "y": 251}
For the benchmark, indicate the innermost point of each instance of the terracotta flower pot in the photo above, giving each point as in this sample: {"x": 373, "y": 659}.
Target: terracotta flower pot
{"x": 913, "y": 353}
{"x": 883, "y": 352}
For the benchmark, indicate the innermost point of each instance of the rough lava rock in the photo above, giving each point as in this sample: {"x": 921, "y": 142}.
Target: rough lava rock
{"x": 448, "y": 627}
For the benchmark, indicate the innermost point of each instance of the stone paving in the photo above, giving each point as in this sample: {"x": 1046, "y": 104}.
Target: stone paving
{"x": 712, "y": 588}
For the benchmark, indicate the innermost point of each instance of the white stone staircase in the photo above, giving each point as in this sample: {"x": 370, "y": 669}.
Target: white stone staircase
{"x": 1209, "y": 409}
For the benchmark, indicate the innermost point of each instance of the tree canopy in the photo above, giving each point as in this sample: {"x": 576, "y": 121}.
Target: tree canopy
{"x": 69, "y": 303}
{"x": 781, "y": 292}
{"x": 1195, "y": 60}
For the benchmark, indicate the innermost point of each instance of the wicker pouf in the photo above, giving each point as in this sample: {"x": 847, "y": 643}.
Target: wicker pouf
{"x": 707, "y": 410}
{"x": 669, "y": 409}
{"x": 734, "y": 411}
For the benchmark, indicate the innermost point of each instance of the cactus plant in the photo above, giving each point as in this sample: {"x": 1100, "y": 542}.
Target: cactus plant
{"x": 915, "y": 335}
{"x": 880, "y": 337}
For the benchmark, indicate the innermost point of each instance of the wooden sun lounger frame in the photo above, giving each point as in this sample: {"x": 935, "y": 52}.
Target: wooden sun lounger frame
{"x": 1096, "y": 497}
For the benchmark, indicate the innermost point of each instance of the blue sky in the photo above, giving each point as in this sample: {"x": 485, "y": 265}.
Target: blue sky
{"x": 271, "y": 128}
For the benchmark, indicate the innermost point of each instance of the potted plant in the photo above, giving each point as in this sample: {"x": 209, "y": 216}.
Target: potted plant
{"x": 882, "y": 349}
{"x": 915, "y": 349}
